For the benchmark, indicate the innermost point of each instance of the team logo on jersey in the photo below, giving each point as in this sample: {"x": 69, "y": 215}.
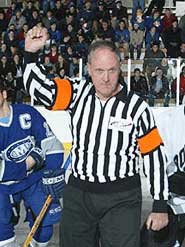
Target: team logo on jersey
{"x": 19, "y": 150}
{"x": 48, "y": 130}
{"x": 120, "y": 123}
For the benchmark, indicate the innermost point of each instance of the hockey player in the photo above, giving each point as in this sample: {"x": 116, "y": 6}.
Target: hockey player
{"x": 29, "y": 151}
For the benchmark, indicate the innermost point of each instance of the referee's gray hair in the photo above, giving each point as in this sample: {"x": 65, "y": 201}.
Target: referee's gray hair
{"x": 98, "y": 44}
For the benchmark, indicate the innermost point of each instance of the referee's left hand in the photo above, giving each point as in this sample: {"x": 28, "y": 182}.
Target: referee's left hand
{"x": 157, "y": 221}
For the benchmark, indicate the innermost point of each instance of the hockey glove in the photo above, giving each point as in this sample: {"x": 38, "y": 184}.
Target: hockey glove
{"x": 38, "y": 156}
{"x": 53, "y": 183}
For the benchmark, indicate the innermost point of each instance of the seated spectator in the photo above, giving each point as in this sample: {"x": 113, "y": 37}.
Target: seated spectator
{"x": 62, "y": 63}
{"x": 27, "y": 10}
{"x": 48, "y": 18}
{"x": 107, "y": 32}
{"x": 181, "y": 52}
{"x": 81, "y": 47}
{"x": 53, "y": 54}
{"x": 167, "y": 19}
{"x": 151, "y": 36}
{"x": 34, "y": 18}
{"x": 5, "y": 66}
{"x": 55, "y": 34}
{"x": 47, "y": 64}
{"x": 119, "y": 12}
{"x": 122, "y": 36}
{"x": 136, "y": 41}
{"x": 159, "y": 88}
{"x": 87, "y": 13}
{"x": 181, "y": 86}
{"x": 154, "y": 20}
{"x": 172, "y": 40}
{"x": 11, "y": 39}
{"x": 101, "y": 14}
{"x": 18, "y": 87}
{"x": 3, "y": 23}
{"x": 11, "y": 10}
{"x": 138, "y": 83}
{"x": 138, "y": 18}
{"x": 59, "y": 11}
{"x": 21, "y": 36}
{"x": 165, "y": 67}
{"x": 152, "y": 59}
{"x": 4, "y": 51}
{"x": 18, "y": 20}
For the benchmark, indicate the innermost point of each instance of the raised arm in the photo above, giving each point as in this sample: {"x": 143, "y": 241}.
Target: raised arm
{"x": 55, "y": 94}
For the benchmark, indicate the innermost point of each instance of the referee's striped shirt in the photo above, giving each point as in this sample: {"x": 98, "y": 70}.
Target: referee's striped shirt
{"x": 108, "y": 137}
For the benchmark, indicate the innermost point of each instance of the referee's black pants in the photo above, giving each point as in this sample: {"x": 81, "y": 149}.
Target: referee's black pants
{"x": 106, "y": 220}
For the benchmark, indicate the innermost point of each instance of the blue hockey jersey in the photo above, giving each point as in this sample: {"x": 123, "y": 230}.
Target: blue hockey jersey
{"x": 26, "y": 129}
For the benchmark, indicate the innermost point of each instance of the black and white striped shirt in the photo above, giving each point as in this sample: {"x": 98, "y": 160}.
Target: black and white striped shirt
{"x": 107, "y": 138}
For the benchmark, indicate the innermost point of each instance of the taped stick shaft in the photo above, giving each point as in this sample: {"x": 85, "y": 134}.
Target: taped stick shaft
{"x": 37, "y": 221}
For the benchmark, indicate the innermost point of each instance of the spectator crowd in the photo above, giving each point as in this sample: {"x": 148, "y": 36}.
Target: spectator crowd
{"x": 154, "y": 32}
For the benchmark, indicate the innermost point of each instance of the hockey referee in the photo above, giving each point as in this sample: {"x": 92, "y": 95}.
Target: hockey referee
{"x": 110, "y": 129}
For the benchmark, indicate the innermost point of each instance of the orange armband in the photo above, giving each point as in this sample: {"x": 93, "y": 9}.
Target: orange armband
{"x": 150, "y": 141}
{"x": 63, "y": 94}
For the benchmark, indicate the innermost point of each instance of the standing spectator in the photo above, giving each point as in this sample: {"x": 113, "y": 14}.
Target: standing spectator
{"x": 159, "y": 88}
{"x": 110, "y": 130}
{"x": 138, "y": 83}
{"x": 136, "y": 41}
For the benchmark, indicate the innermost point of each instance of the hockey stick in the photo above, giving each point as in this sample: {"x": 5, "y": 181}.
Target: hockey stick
{"x": 37, "y": 221}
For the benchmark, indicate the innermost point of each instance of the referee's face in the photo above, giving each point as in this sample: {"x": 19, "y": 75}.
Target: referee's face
{"x": 104, "y": 69}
